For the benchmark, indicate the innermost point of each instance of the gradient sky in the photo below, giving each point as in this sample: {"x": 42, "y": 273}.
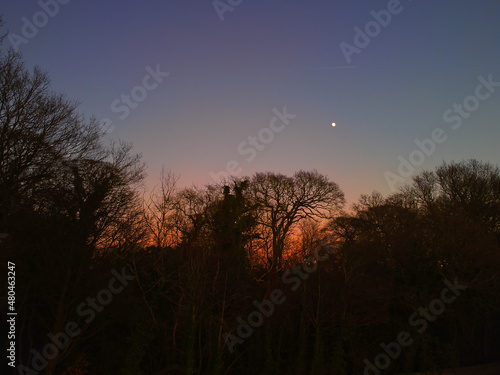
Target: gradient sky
{"x": 226, "y": 77}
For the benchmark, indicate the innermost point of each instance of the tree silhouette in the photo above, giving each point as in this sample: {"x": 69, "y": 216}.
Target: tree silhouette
{"x": 284, "y": 201}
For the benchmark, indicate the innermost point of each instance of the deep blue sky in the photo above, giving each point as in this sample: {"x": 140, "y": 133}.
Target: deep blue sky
{"x": 226, "y": 77}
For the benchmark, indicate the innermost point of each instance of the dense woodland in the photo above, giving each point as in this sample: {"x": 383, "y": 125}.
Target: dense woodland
{"x": 201, "y": 260}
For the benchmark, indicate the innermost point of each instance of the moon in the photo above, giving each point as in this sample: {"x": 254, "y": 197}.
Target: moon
{"x": 333, "y": 124}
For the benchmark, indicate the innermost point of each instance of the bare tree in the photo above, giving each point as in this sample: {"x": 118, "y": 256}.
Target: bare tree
{"x": 283, "y": 201}
{"x": 63, "y": 195}
{"x": 38, "y": 129}
{"x": 159, "y": 211}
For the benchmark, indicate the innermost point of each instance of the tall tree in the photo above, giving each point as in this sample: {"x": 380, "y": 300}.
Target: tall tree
{"x": 38, "y": 129}
{"x": 233, "y": 219}
{"x": 63, "y": 196}
{"x": 159, "y": 211}
{"x": 283, "y": 201}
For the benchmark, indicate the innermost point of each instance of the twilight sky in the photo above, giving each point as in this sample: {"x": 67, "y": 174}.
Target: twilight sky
{"x": 229, "y": 78}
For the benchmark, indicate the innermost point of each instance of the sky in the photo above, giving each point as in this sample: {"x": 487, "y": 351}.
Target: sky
{"x": 188, "y": 82}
